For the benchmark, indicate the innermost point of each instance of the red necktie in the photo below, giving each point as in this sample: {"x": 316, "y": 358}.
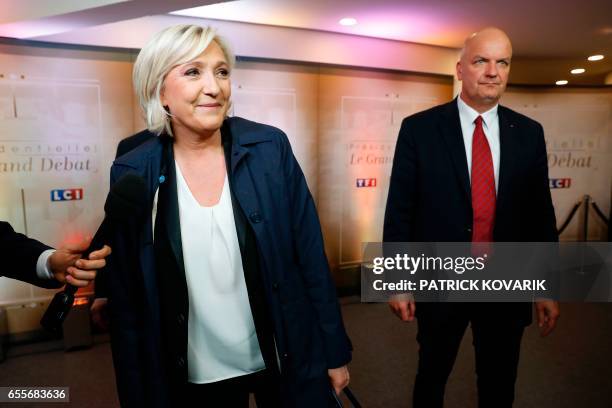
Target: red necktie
{"x": 483, "y": 186}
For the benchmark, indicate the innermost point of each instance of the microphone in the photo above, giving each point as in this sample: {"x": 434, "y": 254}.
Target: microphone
{"x": 126, "y": 200}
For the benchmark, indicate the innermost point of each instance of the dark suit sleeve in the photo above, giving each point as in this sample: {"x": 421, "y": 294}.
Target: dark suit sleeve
{"x": 125, "y": 328}
{"x": 19, "y": 255}
{"x": 401, "y": 200}
{"x": 314, "y": 267}
{"x": 545, "y": 223}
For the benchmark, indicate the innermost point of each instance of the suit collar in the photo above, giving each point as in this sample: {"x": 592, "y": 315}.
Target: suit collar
{"x": 469, "y": 114}
{"x": 243, "y": 135}
{"x": 509, "y": 148}
{"x": 168, "y": 207}
{"x": 509, "y": 152}
{"x": 450, "y": 127}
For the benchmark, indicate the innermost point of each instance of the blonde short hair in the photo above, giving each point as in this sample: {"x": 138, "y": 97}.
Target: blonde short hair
{"x": 168, "y": 48}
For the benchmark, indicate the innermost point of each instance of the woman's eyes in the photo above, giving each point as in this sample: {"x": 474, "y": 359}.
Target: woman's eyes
{"x": 222, "y": 73}
{"x": 192, "y": 72}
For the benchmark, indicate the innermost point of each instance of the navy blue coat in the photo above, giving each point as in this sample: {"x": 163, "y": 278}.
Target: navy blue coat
{"x": 300, "y": 294}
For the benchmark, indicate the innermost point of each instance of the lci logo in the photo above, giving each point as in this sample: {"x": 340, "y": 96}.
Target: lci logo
{"x": 67, "y": 194}
{"x": 560, "y": 183}
{"x": 371, "y": 182}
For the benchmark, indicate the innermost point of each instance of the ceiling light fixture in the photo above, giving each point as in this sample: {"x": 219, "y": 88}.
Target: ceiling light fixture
{"x": 598, "y": 57}
{"x": 348, "y": 21}
{"x": 576, "y": 71}
{"x": 561, "y": 82}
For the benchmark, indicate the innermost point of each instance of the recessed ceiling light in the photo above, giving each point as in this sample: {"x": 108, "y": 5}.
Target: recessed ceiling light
{"x": 598, "y": 57}
{"x": 561, "y": 82}
{"x": 577, "y": 71}
{"x": 348, "y": 21}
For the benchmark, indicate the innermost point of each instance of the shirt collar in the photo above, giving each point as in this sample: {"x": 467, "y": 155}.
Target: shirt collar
{"x": 469, "y": 114}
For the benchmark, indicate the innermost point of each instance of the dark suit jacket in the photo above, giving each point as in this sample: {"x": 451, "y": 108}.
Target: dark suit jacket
{"x": 124, "y": 146}
{"x": 19, "y": 255}
{"x": 271, "y": 191}
{"x": 429, "y": 194}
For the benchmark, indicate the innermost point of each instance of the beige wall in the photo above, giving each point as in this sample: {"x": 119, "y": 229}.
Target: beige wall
{"x": 285, "y": 96}
{"x": 578, "y": 129}
{"x": 58, "y": 106}
{"x": 360, "y": 113}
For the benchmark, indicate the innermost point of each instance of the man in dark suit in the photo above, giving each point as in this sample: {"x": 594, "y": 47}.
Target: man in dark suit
{"x": 471, "y": 170}
{"x": 28, "y": 260}
{"x": 99, "y": 313}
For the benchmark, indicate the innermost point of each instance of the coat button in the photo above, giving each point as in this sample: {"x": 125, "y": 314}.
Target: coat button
{"x": 180, "y": 318}
{"x": 180, "y": 362}
{"x": 275, "y": 286}
{"x": 255, "y": 217}
{"x": 285, "y": 355}
{"x": 469, "y": 229}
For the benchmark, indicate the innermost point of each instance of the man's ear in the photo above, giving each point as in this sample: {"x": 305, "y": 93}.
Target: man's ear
{"x": 459, "y": 70}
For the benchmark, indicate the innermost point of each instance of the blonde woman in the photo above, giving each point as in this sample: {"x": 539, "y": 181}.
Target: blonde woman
{"x": 225, "y": 289}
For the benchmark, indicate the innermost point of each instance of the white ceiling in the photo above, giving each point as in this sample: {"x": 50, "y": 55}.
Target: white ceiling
{"x": 543, "y": 28}
{"x": 542, "y": 31}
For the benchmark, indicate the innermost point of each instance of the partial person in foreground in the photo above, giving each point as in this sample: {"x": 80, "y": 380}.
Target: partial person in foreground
{"x": 31, "y": 261}
{"x": 225, "y": 290}
{"x": 471, "y": 170}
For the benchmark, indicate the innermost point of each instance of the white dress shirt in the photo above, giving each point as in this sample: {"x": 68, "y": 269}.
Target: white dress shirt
{"x": 221, "y": 338}
{"x": 42, "y": 265}
{"x": 490, "y": 125}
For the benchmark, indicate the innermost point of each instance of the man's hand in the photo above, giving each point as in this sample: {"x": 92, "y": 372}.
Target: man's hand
{"x": 548, "y": 313}
{"x": 68, "y": 267}
{"x": 403, "y": 306}
{"x": 339, "y": 378}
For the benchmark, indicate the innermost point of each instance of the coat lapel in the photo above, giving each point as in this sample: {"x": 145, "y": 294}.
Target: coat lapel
{"x": 170, "y": 213}
{"x": 146, "y": 250}
{"x": 509, "y": 148}
{"x": 450, "y": 127}
{"x": 247, "y": 186}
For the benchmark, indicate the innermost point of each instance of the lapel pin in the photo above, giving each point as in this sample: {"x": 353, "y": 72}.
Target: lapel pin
{"x": 162, "y": 178}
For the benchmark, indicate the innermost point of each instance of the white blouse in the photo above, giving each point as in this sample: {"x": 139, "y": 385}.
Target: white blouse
{"x": 222, "y": 342}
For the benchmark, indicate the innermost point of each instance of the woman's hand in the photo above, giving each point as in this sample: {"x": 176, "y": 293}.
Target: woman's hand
{"x": 339, "y": 378}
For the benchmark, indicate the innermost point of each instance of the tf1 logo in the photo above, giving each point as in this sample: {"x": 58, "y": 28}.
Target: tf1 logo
{"x": 560, "y": 183}
{"x": 369, "y": 182}
{"x": 69, "y": 194}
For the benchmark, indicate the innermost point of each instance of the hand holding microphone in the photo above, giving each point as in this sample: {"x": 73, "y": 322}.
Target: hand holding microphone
{"x": 126, "y": 201}
{"x": 68, "y": 267}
